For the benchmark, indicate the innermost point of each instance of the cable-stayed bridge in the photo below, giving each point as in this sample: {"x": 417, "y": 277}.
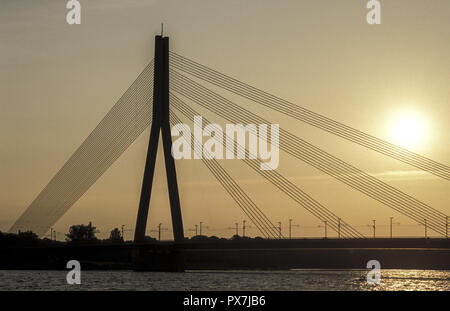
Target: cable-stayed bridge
{"x": 168, "y": 88}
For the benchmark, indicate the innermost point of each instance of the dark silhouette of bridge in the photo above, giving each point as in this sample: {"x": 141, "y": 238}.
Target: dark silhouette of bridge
{"x": 167, "y": 83}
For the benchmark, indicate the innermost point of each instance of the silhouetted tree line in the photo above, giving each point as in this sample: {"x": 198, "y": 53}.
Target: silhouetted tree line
{"x": 215, "y": 238}
{"x": 26, "y": 238}
{"x": 86, "y": 234}
{"x": 82, "y": 233}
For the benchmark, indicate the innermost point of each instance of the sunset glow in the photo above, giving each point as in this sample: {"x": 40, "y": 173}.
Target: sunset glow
{"x": 408, "y": 130}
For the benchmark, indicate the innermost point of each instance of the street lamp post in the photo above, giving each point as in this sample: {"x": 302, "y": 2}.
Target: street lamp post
{"x": 339, "y": 228}
{"x": 374, "y": 228}
{"x": 446, "y": 226}
{"x": 290, "y": 225}
{"x": 391, "y": 225}
{"x": 425, "y": 228}
{"x": 159, "y": 232}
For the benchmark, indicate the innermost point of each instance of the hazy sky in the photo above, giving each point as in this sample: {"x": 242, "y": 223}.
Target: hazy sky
{"x": 57, "y": 81}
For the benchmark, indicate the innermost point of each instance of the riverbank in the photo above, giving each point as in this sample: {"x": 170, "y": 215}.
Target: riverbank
{"x": 229, "y": 255}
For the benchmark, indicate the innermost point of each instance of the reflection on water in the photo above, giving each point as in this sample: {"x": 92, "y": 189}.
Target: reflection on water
{"x": 228, "y": 280}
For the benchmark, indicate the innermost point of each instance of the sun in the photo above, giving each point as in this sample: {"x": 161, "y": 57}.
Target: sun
{"x": 408, "y": 130}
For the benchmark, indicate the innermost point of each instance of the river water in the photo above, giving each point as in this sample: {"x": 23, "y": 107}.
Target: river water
{"x": 292, "y": 280}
